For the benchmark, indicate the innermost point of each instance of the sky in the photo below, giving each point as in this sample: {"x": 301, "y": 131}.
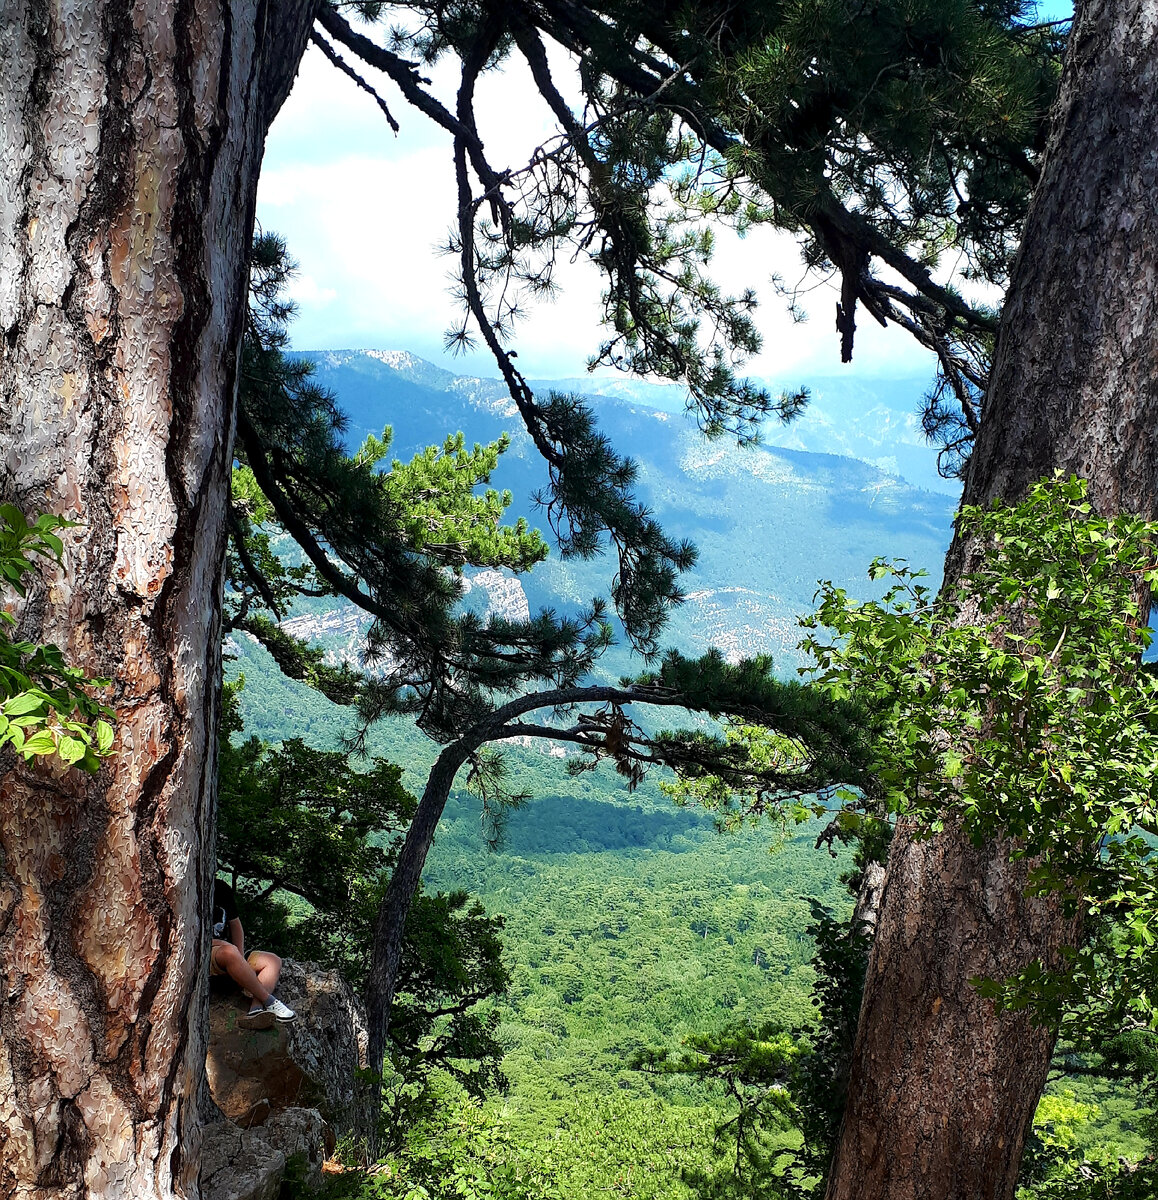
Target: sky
{"x": 363, "y": 212}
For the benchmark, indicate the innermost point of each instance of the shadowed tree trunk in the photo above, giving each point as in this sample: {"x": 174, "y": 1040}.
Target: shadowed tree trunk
{"x": 130, "y": 142}
{"x": 943, "y": 1090}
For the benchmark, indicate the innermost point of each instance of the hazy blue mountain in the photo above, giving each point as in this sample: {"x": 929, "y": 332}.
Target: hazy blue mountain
{"x": 876, "y": 421}
{"x": 769, "y": 522}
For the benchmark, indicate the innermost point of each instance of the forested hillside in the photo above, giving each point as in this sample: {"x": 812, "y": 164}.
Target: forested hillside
{"x": 768, "y": 521}
{"x": 632, "y": 926}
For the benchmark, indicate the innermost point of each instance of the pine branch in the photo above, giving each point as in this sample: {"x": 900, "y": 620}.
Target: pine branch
{"x": 256, "y": 579}
{"x": 408, "y": 80}
{"x": 349, "y": 71}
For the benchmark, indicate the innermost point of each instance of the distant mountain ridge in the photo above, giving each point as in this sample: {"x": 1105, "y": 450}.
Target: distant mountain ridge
{"x": 876, "y": 421}
{"x": 769, "y": 521}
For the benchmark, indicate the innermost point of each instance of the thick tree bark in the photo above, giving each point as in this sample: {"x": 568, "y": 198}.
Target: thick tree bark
{"x": 943, "y": 1090}
{"x": 130, "y": 143}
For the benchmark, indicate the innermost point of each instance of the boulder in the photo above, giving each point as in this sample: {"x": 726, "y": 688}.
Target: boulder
{"x": 303, "y": 1138}
{"x": 249, "y": 1164}
{"x": 239, "y": 1164}
{"x": 329, "y": 1040}
{"x": 280, "y": 1093}
{"x": 309, "y": 1062}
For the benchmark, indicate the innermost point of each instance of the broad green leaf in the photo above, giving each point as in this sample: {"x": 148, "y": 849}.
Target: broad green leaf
{"x": 39, "y": 743}
{"x": 71, "y": 749}
{"x": 28, "y": 702}
{"x": 104, "y": 736}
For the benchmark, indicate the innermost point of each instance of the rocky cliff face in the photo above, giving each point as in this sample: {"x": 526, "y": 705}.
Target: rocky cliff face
{"x": 342, "y": 630}
{"x": 504, "y": 595}
{"x": 282, "y": 1093}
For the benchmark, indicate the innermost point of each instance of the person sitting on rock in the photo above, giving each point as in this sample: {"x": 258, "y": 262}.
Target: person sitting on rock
{"x": 256, "y": 973}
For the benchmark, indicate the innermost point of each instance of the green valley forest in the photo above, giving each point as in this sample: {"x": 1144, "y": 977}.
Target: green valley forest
{"x": 627, "y": 534}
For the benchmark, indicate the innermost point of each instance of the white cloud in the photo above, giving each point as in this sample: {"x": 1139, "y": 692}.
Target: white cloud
{"x": 304, "y": 290}
{"x": 363, "y": 211}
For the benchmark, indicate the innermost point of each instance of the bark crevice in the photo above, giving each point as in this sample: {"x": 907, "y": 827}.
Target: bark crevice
{"x": 943, "y": 1089}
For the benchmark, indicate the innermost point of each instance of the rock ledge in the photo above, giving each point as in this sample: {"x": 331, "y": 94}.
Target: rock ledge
{"x": 280, "y": 1093}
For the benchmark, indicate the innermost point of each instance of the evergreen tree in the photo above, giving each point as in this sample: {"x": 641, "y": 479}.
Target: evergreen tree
{"x": 1089, "y": 412}
{"x": 125, "y": 237}
{"x": 308, "y": 843}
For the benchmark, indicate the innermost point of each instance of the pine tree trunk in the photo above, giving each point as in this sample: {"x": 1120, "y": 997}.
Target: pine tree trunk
{"x": 130, "y": 143}
{"x": 943, "y": 1090}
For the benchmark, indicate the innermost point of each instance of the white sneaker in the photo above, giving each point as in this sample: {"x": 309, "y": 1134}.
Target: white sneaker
{"x": 258, "y": 1017}
{"x": 281, "y": 1011}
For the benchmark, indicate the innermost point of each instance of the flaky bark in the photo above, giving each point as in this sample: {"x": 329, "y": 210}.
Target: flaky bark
{"x": 130, "y": 142}
{"x": 943, "y": 1090}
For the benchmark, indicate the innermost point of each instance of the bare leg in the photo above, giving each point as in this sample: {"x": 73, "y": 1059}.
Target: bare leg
{"x": 268, "y": 968}
{"x": 228, "y": 958}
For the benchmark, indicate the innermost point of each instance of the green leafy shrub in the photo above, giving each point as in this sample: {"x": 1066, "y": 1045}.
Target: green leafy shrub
{"x": 1014, "y": 706}
{"x": 464, "y": 1151}
{"x": 46, "y": 706}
